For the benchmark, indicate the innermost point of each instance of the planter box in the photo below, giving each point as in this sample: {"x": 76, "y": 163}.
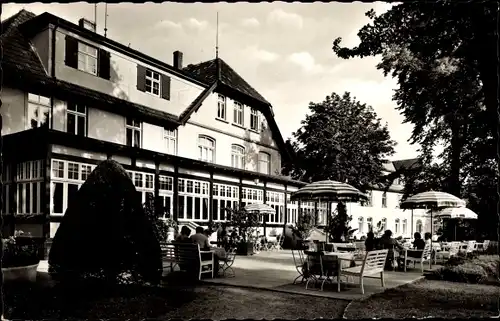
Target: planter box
{"x": 245, "y": 248}
{"x": 20, "y": 273}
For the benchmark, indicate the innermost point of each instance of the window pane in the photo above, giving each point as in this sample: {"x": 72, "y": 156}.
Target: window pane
{"x": 205, "y": 208}
{"x": 137, "y": 138}
{"x": 81, "y": 126}
{"x": 72, "y": 190}
{"x": 58, "y": 197}
{"x": 27, "y": 199}
{"x": 197, "y": 208}
{"x": 35, "y": 207}
{"x": 215, "y": 209}
{"x": 181, "y": 206}
{"x": 71, "y": 126}
{"x": 189, "y": 207}
{"x": 33, "y": 115}
{"x": 129, "y": 137}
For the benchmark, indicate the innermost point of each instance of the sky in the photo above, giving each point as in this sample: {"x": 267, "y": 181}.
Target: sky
{"x": 283, "y": 50}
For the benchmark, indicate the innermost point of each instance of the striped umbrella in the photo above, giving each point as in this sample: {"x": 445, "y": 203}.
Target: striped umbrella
{"x": 260, "y": 208}
{"x": 456, "y": 212}
{"x": 329, "y": 191}
{"x": 432, "y": 200}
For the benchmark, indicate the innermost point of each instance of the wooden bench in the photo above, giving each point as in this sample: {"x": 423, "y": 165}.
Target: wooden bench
{"x": 188, "y": 258}
{"x": 373, "y": 263}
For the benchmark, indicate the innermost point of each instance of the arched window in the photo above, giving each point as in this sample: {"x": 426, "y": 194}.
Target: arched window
{"x": 238, "y": 156}
{"x": 206, "y": 148}
{"x": 360, "y": 224}
{"x": 396, "y": 226}
{"x": 264, "y": 163}
{"x": 369, "y": 222}
{"x": 404, "y": 226}
{"x": 384, "y": 224}
{"x": 419, "y": 226}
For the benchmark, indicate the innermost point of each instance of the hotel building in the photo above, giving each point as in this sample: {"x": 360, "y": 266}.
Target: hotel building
{"x": 198, "y": 137}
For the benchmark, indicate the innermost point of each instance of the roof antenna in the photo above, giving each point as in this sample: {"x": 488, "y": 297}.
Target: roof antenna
{"x": 105, "y": 18}
{"x": 217, "y": 38}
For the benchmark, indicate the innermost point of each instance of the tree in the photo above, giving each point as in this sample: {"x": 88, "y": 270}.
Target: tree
{"x": 105, "y": 234}
{"x": 341, "y": 140}
{"x": 444, "y": 56}
{"x": 246, "y": 222}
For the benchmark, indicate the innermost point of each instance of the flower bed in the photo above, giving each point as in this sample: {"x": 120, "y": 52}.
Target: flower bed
{"x": 474, "y": 270}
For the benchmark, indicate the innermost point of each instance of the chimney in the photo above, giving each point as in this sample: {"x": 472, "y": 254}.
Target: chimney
{"x": 177, "y": 59}
{"x": 87, "y": 24}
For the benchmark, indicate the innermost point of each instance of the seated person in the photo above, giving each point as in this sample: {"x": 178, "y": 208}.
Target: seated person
{"x": 370, "y": 242}
{"x": 201, "y": 239}
{"x": 183, "y": 237}
{"x": 387, "y": 242}
{"x": 418, "y": 244}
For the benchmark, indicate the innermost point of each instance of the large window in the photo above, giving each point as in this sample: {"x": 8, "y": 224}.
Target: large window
{"x": 384, "y": 224}
{"x": 134, "y": 129}
{"x": 291, "y": 210}
{"x": 238, "y": 113}
{"x": 404, "y": 226}
{"x": 166, "y": 194}
{"x": 7, "y": 188}
{"x": 38, "y": 111}
{"x": 369, "y": 223}
{"x": 170, "y": 137}
{"x": 360, "y": 224}
{"x": 384, "y": 199}
{"x": 206, "y": 149}
{"x": 76, "y": 116}
{"x": 224, "y": 196}
{"x": 264, "y": 163}
{"x": 251, "y": 196}
{"x": 29, "y": 181}
{"x": 419, "y": 226}
{"x": 237, "y": 156}
{"x": 66, "y": 179}
{"x": 193, "y": 199}
{"x": 221, "y": 107}
{"x": 144, "y": 183}
{"x": 396, "y": 226}
{"x": 276, "y": 201}
{"x": 152, "y": 82}
{"x": 87, "y": 58}
{"x": 254, "y": 119}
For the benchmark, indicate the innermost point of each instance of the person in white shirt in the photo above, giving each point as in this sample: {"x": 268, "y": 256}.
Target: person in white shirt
{"x": 201, "y": 239}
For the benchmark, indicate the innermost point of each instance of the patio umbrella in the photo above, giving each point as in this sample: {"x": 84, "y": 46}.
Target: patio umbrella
{"x": 432, "y": 200}
{"x": 331, "y": 191}
{"x": 456, "y": 213}
{"x": 260, "y": 209}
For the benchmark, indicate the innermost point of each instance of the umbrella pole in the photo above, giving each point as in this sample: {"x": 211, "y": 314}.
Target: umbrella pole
{"x": 411, "y": 223}
{"x": 432, "y": 250}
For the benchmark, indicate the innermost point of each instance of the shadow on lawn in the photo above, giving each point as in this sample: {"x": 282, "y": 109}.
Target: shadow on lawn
{"x": 42, "y": 301}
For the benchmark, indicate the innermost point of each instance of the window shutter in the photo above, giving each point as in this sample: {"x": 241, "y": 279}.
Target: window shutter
{"x": 104, "y": 64}
{"x": 141, "y": 78}
{"x": 71, "y": 58}
{"x": 165, "y": 87}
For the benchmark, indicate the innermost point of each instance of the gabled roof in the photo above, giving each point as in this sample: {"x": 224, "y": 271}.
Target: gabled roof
{"x": 17, "y": 51}
{"x": 207, "y": 72}
{"x": 411, "y": 163}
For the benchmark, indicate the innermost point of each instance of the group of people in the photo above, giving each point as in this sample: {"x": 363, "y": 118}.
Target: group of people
{"x": 200, "y": 237}
{"x": 391, "y": 244}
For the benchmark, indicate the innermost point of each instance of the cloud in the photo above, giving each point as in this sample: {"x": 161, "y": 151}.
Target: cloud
{"x": 256, "y": 53}
{"x": 285, "y": 19}
{"x": 306, "y": 61}
{"x": 250, "y": 23}
{"x": 168, "y": 25}
{"x": 197, "y": 24}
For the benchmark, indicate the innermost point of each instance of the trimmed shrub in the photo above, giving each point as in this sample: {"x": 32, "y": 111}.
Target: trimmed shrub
{"x": 466, "y": 273}
{"x": 105, "y": 234}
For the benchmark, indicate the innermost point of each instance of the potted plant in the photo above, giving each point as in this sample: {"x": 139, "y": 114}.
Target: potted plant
{"x": 302, "y": 229}
{"x": 20, "y": 258}
{"x": 246, "y": 223}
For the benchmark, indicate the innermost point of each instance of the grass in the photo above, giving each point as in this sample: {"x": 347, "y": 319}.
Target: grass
{"x": 38, "y": 301}
{"x": 429, "y": 298}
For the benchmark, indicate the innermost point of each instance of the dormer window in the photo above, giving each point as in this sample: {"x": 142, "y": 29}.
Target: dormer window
{"x": 87, "y": 58}
{"x": 153, "y": 82}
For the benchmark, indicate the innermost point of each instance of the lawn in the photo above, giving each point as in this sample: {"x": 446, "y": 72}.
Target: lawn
{"x": 37, "y": 302}
{"x": 429, "y": 298}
